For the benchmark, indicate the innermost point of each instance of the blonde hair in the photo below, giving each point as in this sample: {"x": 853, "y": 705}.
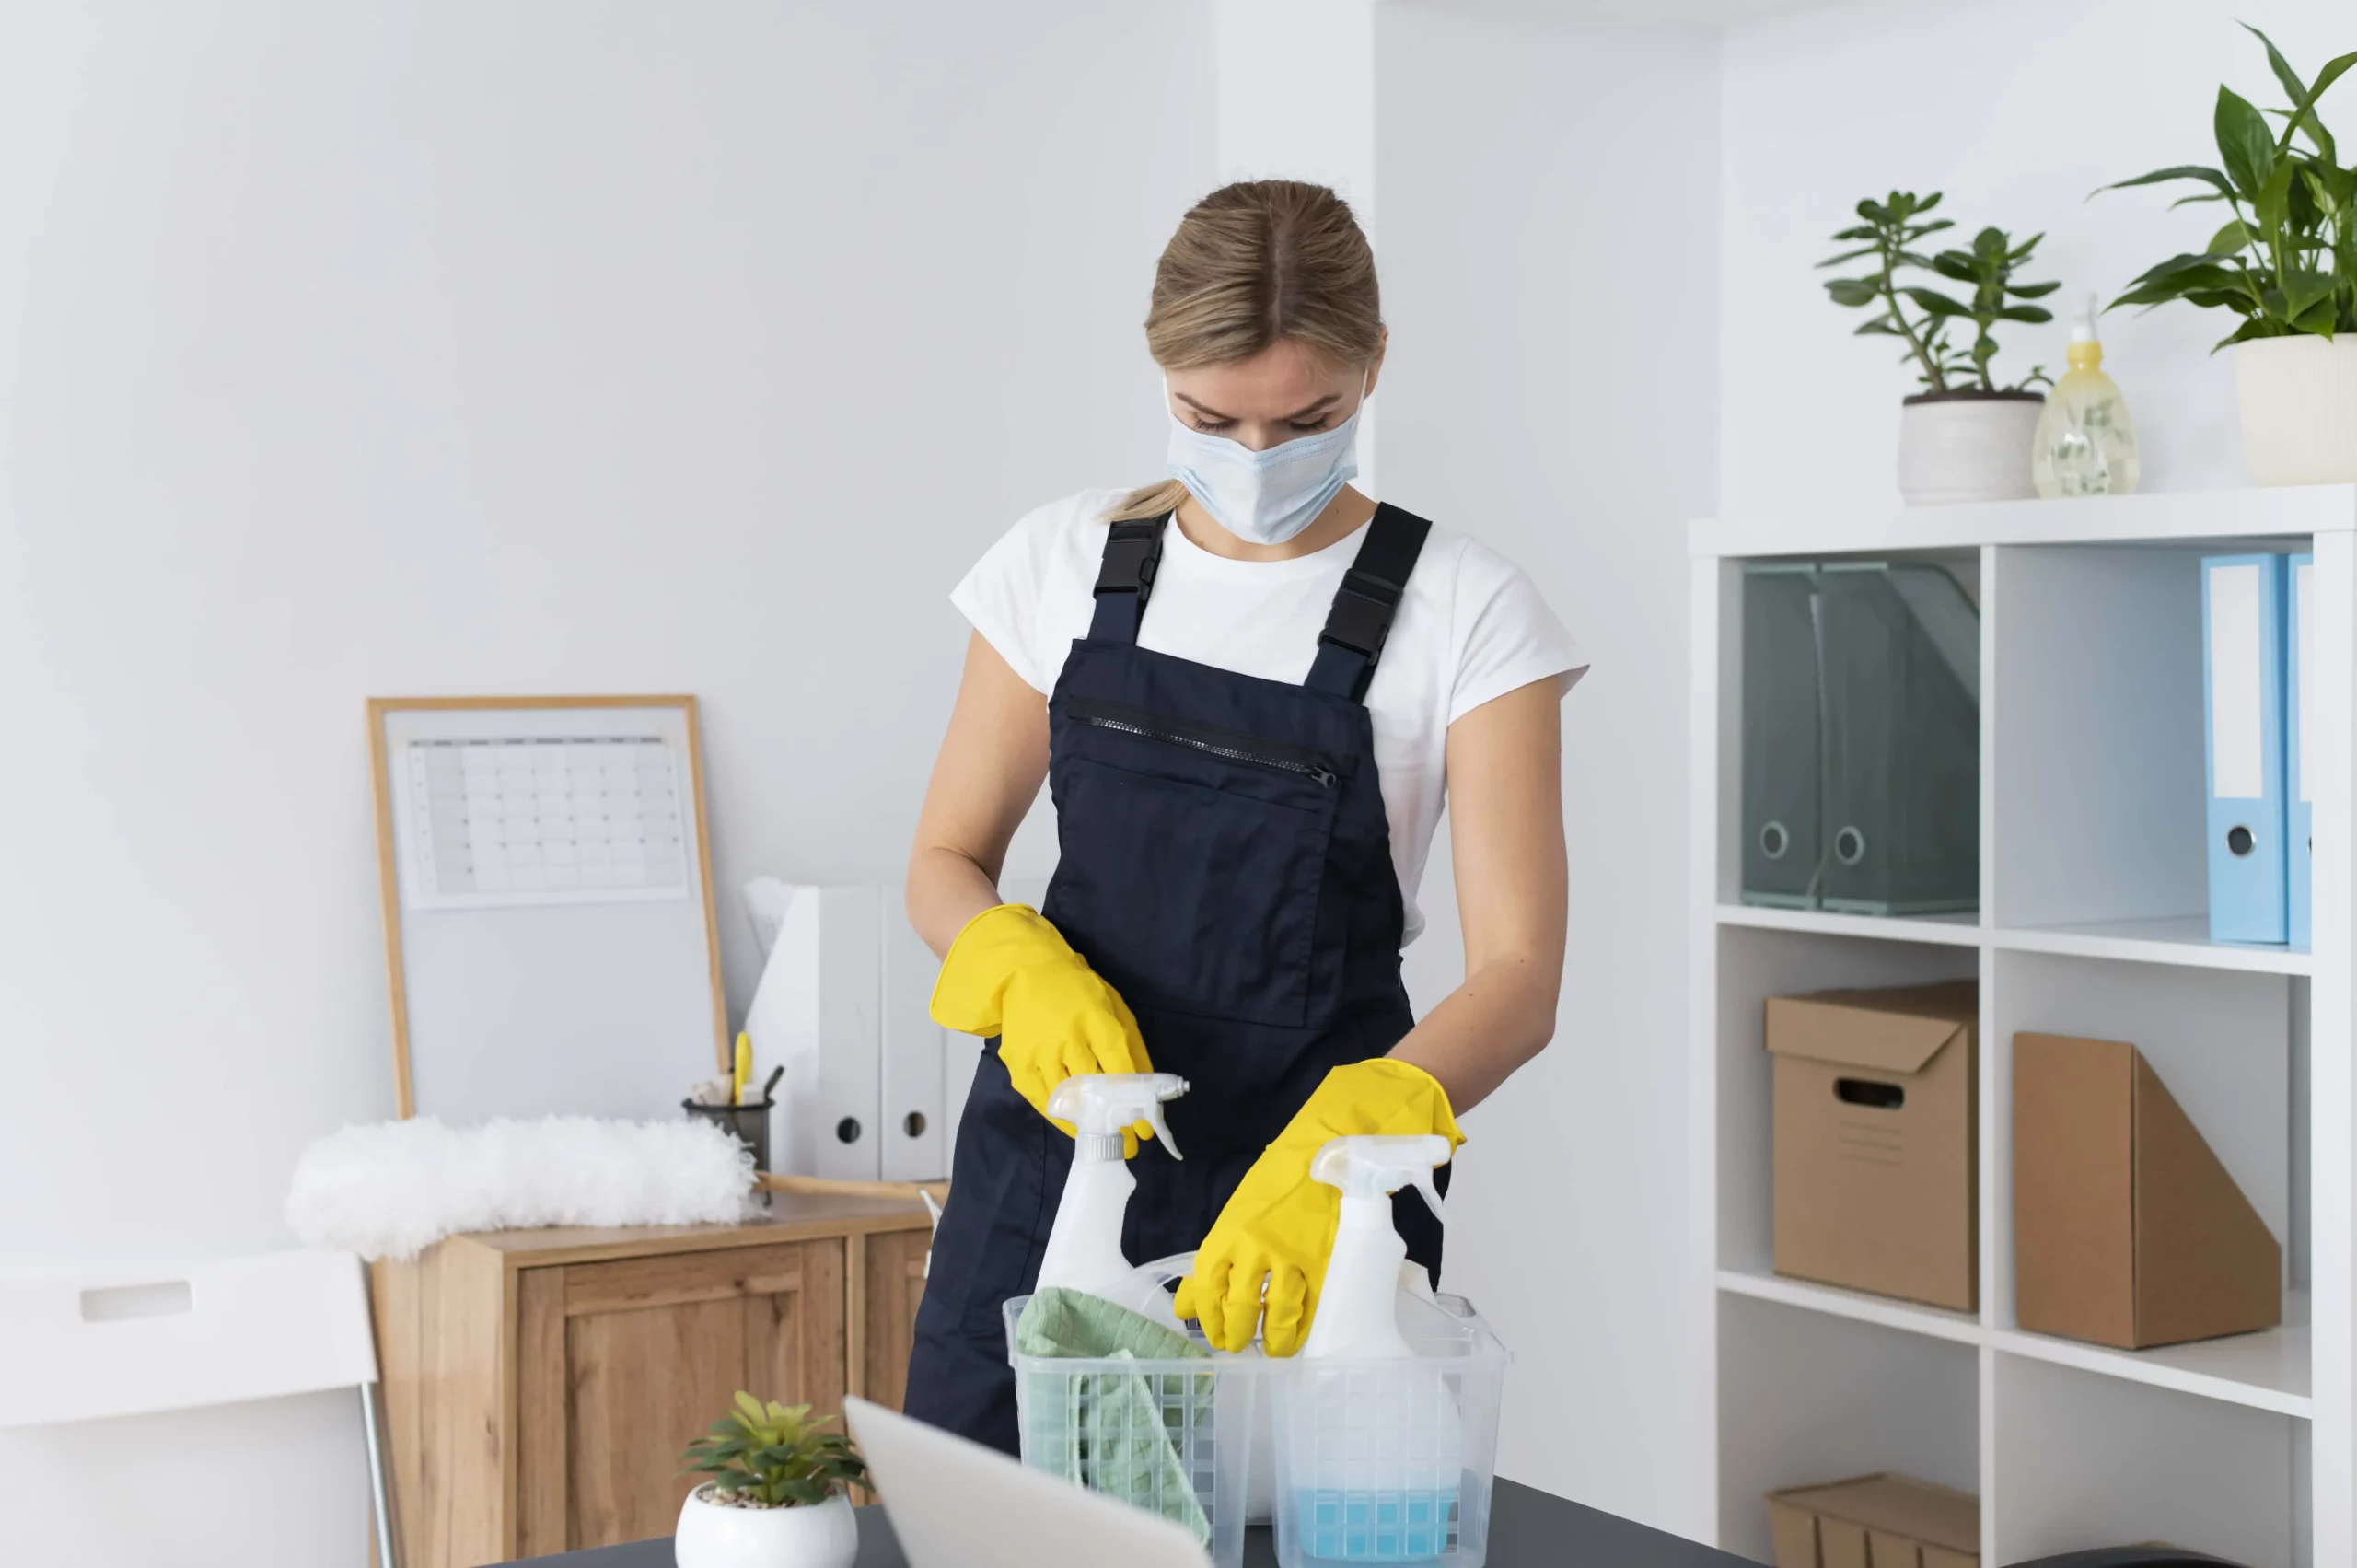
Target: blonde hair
{"x": 1253, "y": 264}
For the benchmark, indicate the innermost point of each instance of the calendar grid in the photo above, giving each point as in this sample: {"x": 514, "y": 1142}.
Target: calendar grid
{"x": 544, "y": 819}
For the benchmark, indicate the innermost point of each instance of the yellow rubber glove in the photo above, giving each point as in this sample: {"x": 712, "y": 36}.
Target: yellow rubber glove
{"x": 1279, "y": 1226}
{"x": 1012, "y": 975}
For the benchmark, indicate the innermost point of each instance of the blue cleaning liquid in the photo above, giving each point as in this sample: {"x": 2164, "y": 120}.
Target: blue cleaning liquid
{"x": 1412, "y": 1525}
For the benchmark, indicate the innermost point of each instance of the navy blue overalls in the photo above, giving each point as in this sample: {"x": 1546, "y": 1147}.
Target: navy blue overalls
{"x": 1226, "y": 865}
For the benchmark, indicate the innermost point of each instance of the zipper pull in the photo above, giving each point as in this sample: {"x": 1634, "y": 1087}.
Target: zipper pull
{"x": 1325, "y": 776}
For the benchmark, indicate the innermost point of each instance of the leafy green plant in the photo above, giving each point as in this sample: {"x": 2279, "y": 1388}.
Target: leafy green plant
{"x": 1892, "y": 229}
{"x": 773, "y": 1455}
{"x": 2285, "y": 260}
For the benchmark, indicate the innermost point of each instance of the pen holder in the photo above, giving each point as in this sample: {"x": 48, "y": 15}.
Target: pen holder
{"x": 749, "y": 1124}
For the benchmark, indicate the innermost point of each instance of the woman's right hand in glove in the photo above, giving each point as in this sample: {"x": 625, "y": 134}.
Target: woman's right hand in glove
{"x": 1012, "y": 975}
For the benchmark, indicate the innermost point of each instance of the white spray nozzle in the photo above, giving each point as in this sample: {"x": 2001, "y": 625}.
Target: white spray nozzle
{"x": 1377, "y": 1167}
{"x": 2082, "y": 330}
{"x": 1099, "y": 1105}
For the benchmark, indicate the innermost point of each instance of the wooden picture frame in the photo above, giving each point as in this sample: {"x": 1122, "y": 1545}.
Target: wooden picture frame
{"x": 386, "y": 713}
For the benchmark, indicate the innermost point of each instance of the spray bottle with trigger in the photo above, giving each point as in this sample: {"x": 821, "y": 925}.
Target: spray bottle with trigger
{"x": 1358, "y": 1306}
{"x": 1084, "y": 1244}
{"x": 1383, "y": 1442}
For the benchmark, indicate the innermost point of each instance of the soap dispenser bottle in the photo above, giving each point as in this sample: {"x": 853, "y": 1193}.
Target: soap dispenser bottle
{"x": 1085, "y": 1243}
{"x": 2085, "y": 443}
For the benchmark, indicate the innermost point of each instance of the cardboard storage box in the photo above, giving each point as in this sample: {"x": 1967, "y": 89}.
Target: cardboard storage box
{"x": 1876, "y": 1149}
{"x": 2127, "y": 1230}
{"x": 1875, "y": 1521}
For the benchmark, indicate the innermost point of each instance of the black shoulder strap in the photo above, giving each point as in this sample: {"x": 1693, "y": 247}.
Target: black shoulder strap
{"x": 1364, "y": 604}
{"x": 1125, "y": 580}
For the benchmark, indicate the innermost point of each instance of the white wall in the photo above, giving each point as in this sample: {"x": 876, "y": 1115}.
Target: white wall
{"x": 1297, "y": 89}
{"x": 1548, "y": 201}
{"x": 2017, "y": 110}
{"x": 553, "y": 346}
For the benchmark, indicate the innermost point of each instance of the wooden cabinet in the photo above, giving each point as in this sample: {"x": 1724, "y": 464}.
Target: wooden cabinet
{"x": 618, "y": 1365}
{"x": 895, "y": 1284}
{"x": 539, "y": 1385}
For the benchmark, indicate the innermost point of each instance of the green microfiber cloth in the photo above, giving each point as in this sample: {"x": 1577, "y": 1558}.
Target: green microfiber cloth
{"x": 1124, "y": 1443}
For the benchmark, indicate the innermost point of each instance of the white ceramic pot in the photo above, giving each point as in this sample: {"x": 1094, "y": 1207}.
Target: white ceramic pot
{"x": 713, "y": 1536}
{"x": 2299, "y": 398}
{"x": 1956, "y": 446}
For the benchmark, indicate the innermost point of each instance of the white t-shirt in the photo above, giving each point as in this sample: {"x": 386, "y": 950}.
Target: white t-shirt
{"x": 1470, "y": 627}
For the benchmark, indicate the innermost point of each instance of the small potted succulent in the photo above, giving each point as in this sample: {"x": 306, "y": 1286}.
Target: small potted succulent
{"x": 2284, "y": 261}
{"x": 1964, "y": 437}
{"x": 776, "y": 1498}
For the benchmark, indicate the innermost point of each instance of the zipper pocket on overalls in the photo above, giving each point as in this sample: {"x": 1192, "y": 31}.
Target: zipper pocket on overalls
{"x": 1214, "y": 741}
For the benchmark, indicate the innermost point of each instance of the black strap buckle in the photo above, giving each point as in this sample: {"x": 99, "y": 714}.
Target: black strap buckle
{"x": 1131, "y": 555}
{"x": 1362, "y": 613}
{"x": 1360, "y": 621}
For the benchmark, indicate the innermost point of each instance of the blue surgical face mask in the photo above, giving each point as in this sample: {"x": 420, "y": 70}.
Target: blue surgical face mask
{"x": 1265, "y": 498}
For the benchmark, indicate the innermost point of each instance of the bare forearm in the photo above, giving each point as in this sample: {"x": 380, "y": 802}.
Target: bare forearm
{"x": 1502, "y": 1016}
{"x": 988, "y": 774}
{"x": 1506, "y": 811}
{"x": 945, "y": 888}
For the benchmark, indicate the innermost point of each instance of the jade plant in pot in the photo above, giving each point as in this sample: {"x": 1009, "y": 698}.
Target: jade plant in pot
{"x": 1964, "y": 437}
{"x": 776, "y": 1498}
{"x": 2284, "y": 261}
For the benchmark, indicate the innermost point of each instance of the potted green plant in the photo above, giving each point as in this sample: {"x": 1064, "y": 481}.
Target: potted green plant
{"x": 1964, "y": 437}
{"x": 776, "y": 1498}
{"x": 2284, "y": 261}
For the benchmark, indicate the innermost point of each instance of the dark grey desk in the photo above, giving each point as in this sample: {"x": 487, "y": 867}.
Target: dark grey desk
{"x": 1528, "y": 1529}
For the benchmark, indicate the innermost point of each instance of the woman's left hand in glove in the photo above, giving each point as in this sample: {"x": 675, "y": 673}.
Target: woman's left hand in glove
{"x": 1265, "y": 1259}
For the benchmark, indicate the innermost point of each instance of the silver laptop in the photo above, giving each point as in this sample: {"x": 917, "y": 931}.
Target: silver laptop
{"x": 958, "y": 1505}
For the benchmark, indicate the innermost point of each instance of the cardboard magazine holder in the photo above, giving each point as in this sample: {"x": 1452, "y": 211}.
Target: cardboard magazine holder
{"x": 2127, "y": 1229}
{"x": 1885, "y": 1521}
{"x": 1876, "y": 1141}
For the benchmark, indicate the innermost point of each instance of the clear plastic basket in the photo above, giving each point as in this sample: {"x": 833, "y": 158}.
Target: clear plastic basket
{"x": 1154, "y": 1433}
{"x": 1391, "y": 1461}
{"x": 1374, "y": 1462}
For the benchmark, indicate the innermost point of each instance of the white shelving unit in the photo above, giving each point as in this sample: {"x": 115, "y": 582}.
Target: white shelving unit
{"x": 2092, "y": 893}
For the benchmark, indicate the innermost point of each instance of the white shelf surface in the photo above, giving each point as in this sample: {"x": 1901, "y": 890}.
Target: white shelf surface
{"x": 2174, "y": 939}
{"x": 2191, "y": 516}
{"x": 1961, "y": 1327}
{"x": 2267, "y": 1371}
{"x": 2183, "y": 940}
{"x": 1957, "y": 930}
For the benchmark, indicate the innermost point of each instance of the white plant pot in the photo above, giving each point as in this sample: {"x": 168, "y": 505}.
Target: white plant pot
{"x": 1958, "y": 446}
{"x": 713, "y": 1536}
{"x": 2299, "y": 399}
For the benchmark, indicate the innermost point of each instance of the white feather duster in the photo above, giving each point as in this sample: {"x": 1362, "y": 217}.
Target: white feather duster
{"x": 389, "y": 1190}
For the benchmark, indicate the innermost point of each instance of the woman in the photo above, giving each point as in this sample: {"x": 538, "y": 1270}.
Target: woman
{"x": 1248, "y": 689}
